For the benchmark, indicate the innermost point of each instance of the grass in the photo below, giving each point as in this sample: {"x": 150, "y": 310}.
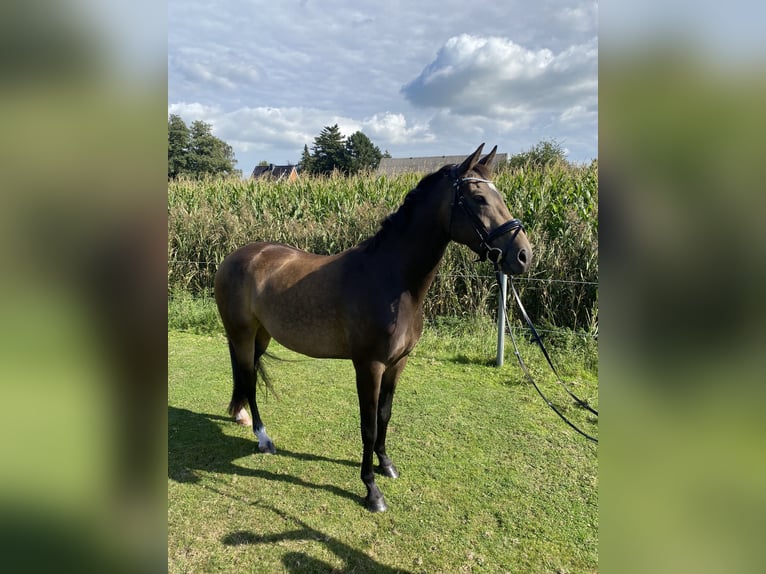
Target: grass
{"x": 490, "y": 480}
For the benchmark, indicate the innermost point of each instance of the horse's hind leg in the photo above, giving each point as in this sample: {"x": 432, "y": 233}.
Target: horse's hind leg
{"x": 246, "y": 352}
{"x": 265, "y": 444}
{"x": 238, "y": 394}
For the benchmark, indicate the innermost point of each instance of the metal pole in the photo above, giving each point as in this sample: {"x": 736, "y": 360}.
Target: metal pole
{"x": 502, "y": 297}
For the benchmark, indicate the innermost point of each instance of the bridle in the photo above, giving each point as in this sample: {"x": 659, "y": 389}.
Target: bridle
{"x": 486, "y": 237}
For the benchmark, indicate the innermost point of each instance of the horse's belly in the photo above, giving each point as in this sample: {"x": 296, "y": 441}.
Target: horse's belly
{"x": 314, "y": 337}
{"x": 317, "y": 347}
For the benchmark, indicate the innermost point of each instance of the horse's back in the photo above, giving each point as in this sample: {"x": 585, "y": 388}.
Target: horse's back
{"x": 292, "y": 294}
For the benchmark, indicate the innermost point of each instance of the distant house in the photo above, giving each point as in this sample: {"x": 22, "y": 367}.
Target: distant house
{"x": 424, "y": 165}
{"x": 275, "y": 172}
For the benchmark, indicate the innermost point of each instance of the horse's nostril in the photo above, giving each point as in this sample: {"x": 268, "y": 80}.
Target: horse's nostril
{"x": 523, "y": 256}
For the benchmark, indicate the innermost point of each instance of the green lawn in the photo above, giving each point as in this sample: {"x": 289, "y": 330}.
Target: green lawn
{"x": 491, "y": 480}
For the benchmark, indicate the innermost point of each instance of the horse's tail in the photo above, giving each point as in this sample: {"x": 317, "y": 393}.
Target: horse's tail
{"x": 260, "y": 369}
{"x": 242, "y": 380}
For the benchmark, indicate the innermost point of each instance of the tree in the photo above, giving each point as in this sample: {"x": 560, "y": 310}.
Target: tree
{"x": 332, "y": 151}
{"x": 306, "y": 162}
{"x": 544, "y": 153}
{"x": 363, "y": 154}
{"x": 329, "y": 151}
{"x": 179, "y": 140}
{"x": 208, "y": 154}
{"x": 196, "y": 151}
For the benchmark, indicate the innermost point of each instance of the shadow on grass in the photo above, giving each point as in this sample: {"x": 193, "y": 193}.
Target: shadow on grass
{"x": 196, "y": 443}
{"x": 300, "y": 562}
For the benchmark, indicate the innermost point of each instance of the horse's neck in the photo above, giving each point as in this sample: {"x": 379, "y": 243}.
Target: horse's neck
{"x": 418, "y": 250}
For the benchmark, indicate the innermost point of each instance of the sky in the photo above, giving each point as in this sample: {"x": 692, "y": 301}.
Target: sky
{"x": 432, "y": 77}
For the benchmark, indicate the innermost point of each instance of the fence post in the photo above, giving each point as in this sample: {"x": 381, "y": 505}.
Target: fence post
{"x": 501, "y": 296}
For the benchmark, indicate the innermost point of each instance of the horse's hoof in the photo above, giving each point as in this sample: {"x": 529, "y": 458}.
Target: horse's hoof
{"x": 390, "y": 471}
{"x": 376, "y": 505}
{"x": 267, "y": 448}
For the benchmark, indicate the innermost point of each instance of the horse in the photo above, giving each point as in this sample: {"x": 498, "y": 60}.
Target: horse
{"x": 364, "y": 304}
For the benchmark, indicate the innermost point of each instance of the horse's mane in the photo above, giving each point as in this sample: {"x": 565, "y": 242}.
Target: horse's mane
{"x": 400, "y": 219}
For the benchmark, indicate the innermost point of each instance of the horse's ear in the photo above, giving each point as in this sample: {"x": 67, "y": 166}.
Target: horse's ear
{"x": 489, "y": 158}
{"x": 470, "y": 161}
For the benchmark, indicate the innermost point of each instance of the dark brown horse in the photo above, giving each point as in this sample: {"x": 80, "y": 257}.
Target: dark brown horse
{"x": 364, "y": 304}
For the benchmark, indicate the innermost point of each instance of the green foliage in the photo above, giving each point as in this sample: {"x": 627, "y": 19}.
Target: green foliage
{"x": 546, "y": 152}
{"x": 329, "y": 152}
{"x": 333, "y": 152}
{"x": 558, "y": 204}
{"x": 364, "y": 155}
{"x": 306, "y": 164}
{"x": 179, "y": 142}
{"x": 196, "y": 152}
{"x": 193, "y": 314}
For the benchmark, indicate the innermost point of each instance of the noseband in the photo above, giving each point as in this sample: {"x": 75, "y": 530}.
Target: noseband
{"x": 486, "y": 237}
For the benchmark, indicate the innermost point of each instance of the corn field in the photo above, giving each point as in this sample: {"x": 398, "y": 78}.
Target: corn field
{"x": 558, "y": 204}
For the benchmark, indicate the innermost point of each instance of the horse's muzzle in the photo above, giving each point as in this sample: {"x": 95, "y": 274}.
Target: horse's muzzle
{"x": 516, "y": 262}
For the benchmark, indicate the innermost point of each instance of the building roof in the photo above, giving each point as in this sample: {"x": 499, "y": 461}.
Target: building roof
{"x": 275, "y": 171}
{"x": 428, "y": 164}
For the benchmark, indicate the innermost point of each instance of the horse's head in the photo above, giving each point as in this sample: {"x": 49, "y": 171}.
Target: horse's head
{"x": 480, "y": 219}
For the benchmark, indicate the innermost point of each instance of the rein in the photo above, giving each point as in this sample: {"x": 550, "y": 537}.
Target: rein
{"x": 584, "y": 404}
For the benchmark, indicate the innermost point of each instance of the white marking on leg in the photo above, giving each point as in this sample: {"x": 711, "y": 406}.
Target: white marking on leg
{"x": 243, "y": 417}
{"x": 264, "y": 441}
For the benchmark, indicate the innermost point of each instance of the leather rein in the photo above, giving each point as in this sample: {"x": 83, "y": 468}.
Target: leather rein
{"x": 580, "y": 402}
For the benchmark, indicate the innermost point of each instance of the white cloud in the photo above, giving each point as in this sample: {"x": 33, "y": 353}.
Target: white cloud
{"x": 494, "y": 76}
{"x": 196, "y": 72}
{"x": 249, "y": 128}
{"x": 391, "y": 128}
{"x": 192, "y": 111}
{"x": 218, "y": 69}
{"x": 575, "y": 114}
{"x": 581, "y": 18}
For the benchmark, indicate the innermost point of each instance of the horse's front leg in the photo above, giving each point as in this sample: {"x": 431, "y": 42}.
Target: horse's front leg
{"x": 368, "y": 380}
{"x": 385, "y": 401}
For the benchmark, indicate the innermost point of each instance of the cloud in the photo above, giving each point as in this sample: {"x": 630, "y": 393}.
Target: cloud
{"x": 192, "y": 111}
{"x": 579, "y": 115}
{"x": 221, "y": 69}
{"x": 253, "y": 127}
{"x": 264, "y": 128}
{"x": 580, "y": 18}
{"x": 495, "y": 77}
{"x": 390, "y": 128}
